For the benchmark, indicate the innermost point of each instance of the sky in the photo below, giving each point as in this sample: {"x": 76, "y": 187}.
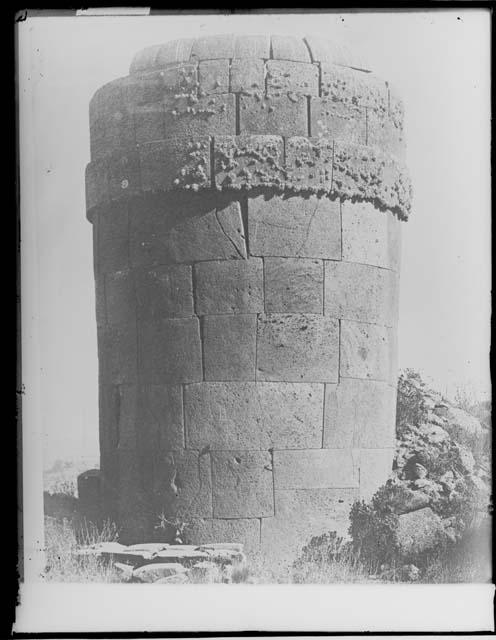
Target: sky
{"x": 439, "y": 62}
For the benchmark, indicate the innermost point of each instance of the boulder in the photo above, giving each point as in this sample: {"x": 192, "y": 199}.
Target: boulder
{"x": 178, "y": 578}
{"x": 157, "y": 571}
{"x": 464, "y": 428}
{"x": 412, "y": 501}
{"x": 419, "y": 531}
{"x": 434, "y": 433}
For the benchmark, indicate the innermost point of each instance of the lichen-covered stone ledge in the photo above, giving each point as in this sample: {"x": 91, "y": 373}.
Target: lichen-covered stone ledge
{"x": 295, "y": 165}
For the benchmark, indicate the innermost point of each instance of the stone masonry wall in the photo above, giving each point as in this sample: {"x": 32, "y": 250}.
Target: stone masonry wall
{"x": 245, "y": 194}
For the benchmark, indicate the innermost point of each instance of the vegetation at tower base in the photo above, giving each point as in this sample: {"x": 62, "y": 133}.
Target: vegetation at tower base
{"x": 431, "y": 520}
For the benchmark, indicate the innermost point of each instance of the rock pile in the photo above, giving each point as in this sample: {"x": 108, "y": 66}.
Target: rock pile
{"x": 171, "y": 563}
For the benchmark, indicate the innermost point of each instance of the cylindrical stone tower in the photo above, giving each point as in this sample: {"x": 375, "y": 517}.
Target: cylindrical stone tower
{"x": 246, "y": 194}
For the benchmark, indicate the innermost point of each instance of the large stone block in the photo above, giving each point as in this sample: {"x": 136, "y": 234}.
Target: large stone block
{"x": 284, "y": 76}
{"x": 162, "y": 54}
{"x": 242, "y": 484}
{"x": 367, "y": 351}
{"x": 248, "y": 46}
{"x": 170, "y": 351}
{"x": 229, "y": 347}
{"x": 359, "y": 413}
{"x": 314, "y": 469}
{"x": 370, "y": 236}
{"x": 149, "y": 122}
{"x": 351, "y": 86}
{"x": 247, "y": 75}
{"x": 293, "y": 285}
{"x": 382, "y": 133}
{"x": 213, "y": 76}
{"x": 229, "y": 287}
{"x": 309, "y": 163}
{"x": 294, "y": 227}
{"x": 253, "y": 416}
{"x": 117, "y": 354}
{"x": 120, "y": 295}
{"x": 123, "y": 174}
{"x": 212, "y": 47}
{"x": 297, "y": 348}
{"x": 164, "y": 292}
{"x": 163, "y": 232}
{"x": 301, "y": 514}
{"x": 182, "y": 486}
{"x": 375, "y": 466}
{"x": 210, "y": 115}
{"x": 113, "y": 238}
{"x": 338, "y": 121}
{"x": 289, "y": 48}
{"x": 242, "y": 530}
{"x": 361, "y": 292}
{"x": 284, "y": 115}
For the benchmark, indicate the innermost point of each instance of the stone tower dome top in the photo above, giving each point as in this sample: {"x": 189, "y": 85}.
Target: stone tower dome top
{"x": 230, "y": 46}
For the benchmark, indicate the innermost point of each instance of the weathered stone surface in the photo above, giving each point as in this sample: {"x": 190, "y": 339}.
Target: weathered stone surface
{"x": 157, "y": 570}
{"x": 359, "y": 413}
{"x": 120, "y": 298}
{"x": 284, "y": 115}
{"x": 164, "y": 292}
{"x": 301, "y": 514}
{"x": 179, "y": 578}
{"x": 97, "y": 188}
{"x": 334, "y": 51}
{"x": 354, "y": 87}
{"x": 175, "y": 163}
{"x": 375, "y": 467}
{"x": 339, "y": 121}
{"x": 293, "y": 285}
{"x": 149, "y": 122}
{"x": 162, "y": 54}
{"x": 100, "y": 302}
{"x": 152, "y": 86}
{"x": 419, "y": 531}
{"x": 370, "y": 236}
{"x": 361, "y": 292}
{"x": 309, "y": 163}
{"x": 248, "y": 161}
{"x": 213, "y": 76}
{"x": 186, "y": 115}
{"x": 253, "y": 416}
{"x": 243, "y": 530}
{"x": 123, "y": 174}
{"x": 297, "y": 348}
{"x": 252, "y": 46}
{"x": 247, "y": 74}
{"x": 113, "y": 238}
{"x": 117, "y": 354}
{"x": 284, "y": 76}
{"x": 294, "y": 227}
{"x": 229, "y": 347}
{"x": 314, "y": 469}
{"x": 242, "y": 484}
{"x": 229, "y": 286}
{"x": 170, "y": 351}
{"x": 212, "y": 47}
{"x": 182, "y": 486}
{"x": 289, "y": 48}
{"x": 162, "y": 232}
{"x": 367, "y": 351}
{"x": 382, "y": 133}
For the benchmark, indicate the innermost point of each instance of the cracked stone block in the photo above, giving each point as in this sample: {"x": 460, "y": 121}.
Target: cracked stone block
{"x": 309, "y": 163}
{"x": 175, "y": 162}
{"x": 301, "y": 514}
{"x": 248, "y": 46}
{"x": 213, "y": 76}
{"x": 294, "y": 227}
{"x": 298, "y": 77}
{"x": 242, "y": 530}
{"x": 117, "y": 354}
{"x": 375, "y": 467}
{"x": 359, "y": 413}
{"x": 284, "y": 115}
{"x": 247, "y": 75}
{"x": 293, "y": 285}
{"x": 229, "y": 286}
{"x": 370, "y": 236}
{"x": 367, "y": 351}
{"x": 242, "y": 484}
{"x": 212, "y": 47}
{"x": 170, "y": 351}
{"x": 338, "y": 121}
{"x": 229, "y": 347}
{"x": 297, "y": 348}
{"x": 163, "y": 232}
{"x": 164, "y": 292}
{"x": 120, "y": 298}
{"x": 248, "y": 161}
{"x": 254, "y": 416}
{"x": 113, "y": 238}
{"x": 361, "y": 292}
{"x": 317, "y": 469}
{"x": 182, "y": 486}
{"x": 212, "y": 115}
{"x": 289, "y": 48}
